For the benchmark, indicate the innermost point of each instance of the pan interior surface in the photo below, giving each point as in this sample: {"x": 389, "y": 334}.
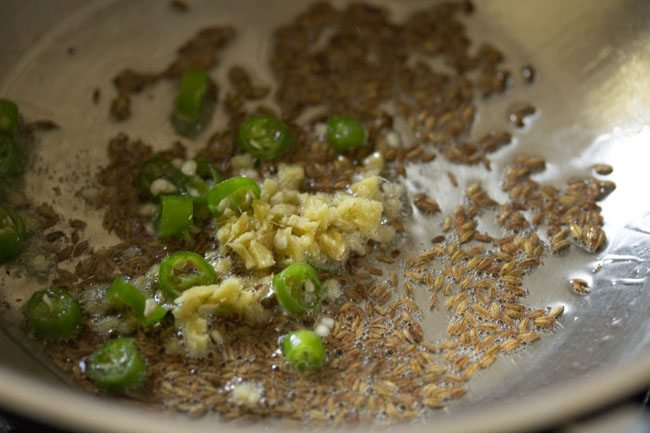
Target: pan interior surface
{"x": 593, "y": 100}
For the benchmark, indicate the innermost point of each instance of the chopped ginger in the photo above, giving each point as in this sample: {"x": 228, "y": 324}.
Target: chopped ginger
{"x": 286, "y": 226}
{"x": 195, "y": 305}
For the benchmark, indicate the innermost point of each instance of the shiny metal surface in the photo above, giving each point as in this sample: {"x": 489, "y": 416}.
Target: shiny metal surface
{"x": 593, "y": 97}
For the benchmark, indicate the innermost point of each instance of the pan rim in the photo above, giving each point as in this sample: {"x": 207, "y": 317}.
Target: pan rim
{"x": 72, "y": 409}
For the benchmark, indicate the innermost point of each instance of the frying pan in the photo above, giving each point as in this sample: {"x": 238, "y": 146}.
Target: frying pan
{"x": 593, "y": 101}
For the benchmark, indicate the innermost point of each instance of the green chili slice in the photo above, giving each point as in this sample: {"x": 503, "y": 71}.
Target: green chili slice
{"x": 148, "y": 311}
{"x": 158, "y": 168}
{"x": 303, "y": 350}
{"x": 9, "y": 117}
{"x": 345, "y": 133}
{"x": 297, "y": 288}
{"x": 11, "y": 157}
{"x": 182, "y": 271}
{"x": 52, "y": 314}
{"x": 12, "y": 233}
{"x": 201, "y": 211}
{"x": 175, "y": 215}
{"x": 117, "y": 366}
{"x": 194, "y": 102}
{"x": 236, "y": 193}
{"x": 264, "y": 137}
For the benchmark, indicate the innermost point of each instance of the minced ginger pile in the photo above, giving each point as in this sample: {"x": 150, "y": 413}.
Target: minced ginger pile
{"x": 285, "y": 226}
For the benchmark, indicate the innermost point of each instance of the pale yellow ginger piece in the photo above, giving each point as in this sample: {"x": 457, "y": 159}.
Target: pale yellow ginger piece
{"x": 261, "y": 210}
{"x": 248, "y": 394}
{"x": 367, "y": 188}
{"x": 376, "y": 188}
{"x": 281, "y": 239}
{"x": 298, "y": 245}
{"x": 287, "y": 197}
{"x": 281, "y": 209}
{"x": 195, "y": 331}
{"x": 373, "y": 164}
{"x": 290, "y": 176}
{"x": 318, "y": 210}
{"x": 302, "y": 225}
{"x": 195, "y": 306}
{"x": 332, "y": 244}
{"x": 364, "y": 215}
{"x": 254, "y": 253}
{"x": 240, "y": 236}
{"x": 268, "y": 190}
{"x": 286, "y": 226}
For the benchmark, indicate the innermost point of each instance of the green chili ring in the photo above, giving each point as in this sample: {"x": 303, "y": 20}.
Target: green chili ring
{"x": 182, "y": 271}
{"x": 12, "y": 233}
{"x": 235, "y": 193}
{"x": 264, "y": 137}
{"x": 52, "y": 314}
{"x": 121, "y": 292}
{"x": 175, "y": 215}
{"x": 345, "y": 133}
{"x": 298, "y": 289}
{"x": 303, "y": 350}
{"x": 194, "y": 105}
{"x": 117, "y": 366}
{"x": 11, "y": 157}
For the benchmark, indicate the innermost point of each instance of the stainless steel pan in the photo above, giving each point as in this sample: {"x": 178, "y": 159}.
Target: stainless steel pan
{"x": 593, "y": 95}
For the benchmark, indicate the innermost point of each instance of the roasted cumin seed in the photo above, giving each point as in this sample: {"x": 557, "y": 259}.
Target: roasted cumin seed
{"x": 425, "y": 204}
{"x": 518, "y": 115}
{"x": 579, "y": 286}
{"x": 603, "y": 169}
